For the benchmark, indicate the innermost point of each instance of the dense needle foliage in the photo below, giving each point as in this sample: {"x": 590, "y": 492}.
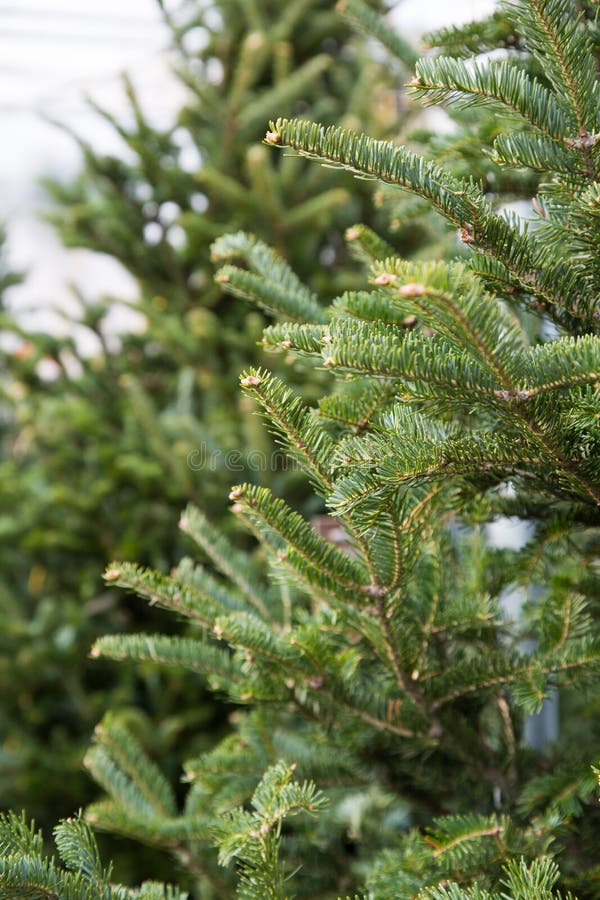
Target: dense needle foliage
{"x": 382, "y": 686}
{"x": 106, "y": 436}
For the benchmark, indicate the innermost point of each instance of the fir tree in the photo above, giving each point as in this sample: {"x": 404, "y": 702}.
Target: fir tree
{"x": 379, "y": 667}
{"x": 100, "y": 457}
{"x": 472, "y": 393}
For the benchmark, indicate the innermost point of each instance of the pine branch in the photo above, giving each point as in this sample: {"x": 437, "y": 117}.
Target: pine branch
{"x": 270, "y": 282}
{"x": 562, "y": 364}
{"x": 296, "y": 426}
{"x": 299, "y": 543}
{"x": 254, "y": 837}
{"x": 536, "y": 152}
{"x": 459, "y": 200}
{"x": 164, "y": 591}
{"x": 369, "y": 22}
{"x": 198, "y": 656}
{"x": 234, "y": 565}
{"x": 555, "y": 34}
{"x": 26, "y": 873}
{"x": 366, "y": 245}
{"x": 526, "y": 676}
{"x": 131, "y": 758}
{"x": 443, "y": 78}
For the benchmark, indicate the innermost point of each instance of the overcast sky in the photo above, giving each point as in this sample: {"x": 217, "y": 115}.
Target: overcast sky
{"x": 53, "y": 52}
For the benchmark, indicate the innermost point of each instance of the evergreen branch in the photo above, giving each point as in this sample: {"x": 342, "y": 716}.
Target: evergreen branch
{"x": 555, "y": 35}
{"x": 297, "y": 535}
{"x": 111, "y": 816}
{"x": 231, "y": 562}
{"x": 428, "y": 625}
{"x": 164, "y": 591}
{"x": 565, "y": 363}
{"x": 79, "y": 851}
{"x": 17, "y": 836}
{"x": 453, "y": 832}
{"x": 527, "y": 677}
{"x": 25, "y": 872}
{"x": 371, "y": 23}
{"x": 253, "y": 838}
{"x": 256, "y": 637}
{"x": 446, "y": 78}
{"x": 383, "y": 350}
{"x": 397, "y": 457}
{"x": 450, "y": 298}
{"x": 358, "y": 409}
{"x": 196, "y": 575}
{"x": 282, "y": 95}
{"x": 417, "y": 360}
{"x": 375, "y": 306}
{"x": 564, "y": 792}
{"x": 297, "y": 427}
{"x": 124, "y": 787}
{"x": 198, "y": 656}
{"x": 545, "y": 282}
{"x": 34, "y": 877}
{"x": 366, "y": 245}
{"x": 536, "y": 152}
{"x": 267, "y": 295}
{"x": 456, "y": 198}
{"x": 316, "y": 584}
{"x": 474, "y": 38}
{"x": 450, "y": 890}
{"x": 302, "y": 339}
{"x": 270, "y": 282}
{"x": 406, "y": 683}
{"x": 459, "y": 200}
{"x": 133, "y": 761}
{"x": 571, "y": 469}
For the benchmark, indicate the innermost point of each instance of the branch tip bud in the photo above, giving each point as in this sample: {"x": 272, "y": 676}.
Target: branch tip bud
{"x": 250, "y": 381}
{"x": 412, "y": 290}
{"x": 384, "y": 278}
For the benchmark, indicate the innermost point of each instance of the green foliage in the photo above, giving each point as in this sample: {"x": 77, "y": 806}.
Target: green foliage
{"x": 100, "y": 456}
{"x": 27, "y": 872}
{"x": 253, "y": 838}
{"x": 370, "y": 649}
{"x": 451, "y": 405}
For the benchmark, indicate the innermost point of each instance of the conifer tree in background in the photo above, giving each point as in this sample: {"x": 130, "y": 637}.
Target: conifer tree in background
{"x": 380, "y": 754}
{"x": 97, "y": 448}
